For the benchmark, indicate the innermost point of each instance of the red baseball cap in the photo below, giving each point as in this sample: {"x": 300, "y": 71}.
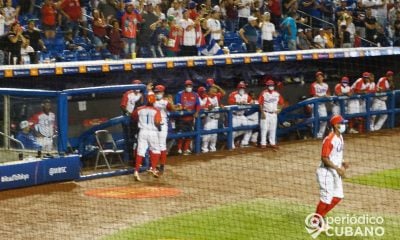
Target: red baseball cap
{"x": 366, "y": 75}
{"x": 270, "y": 82}
{"x": 389, "y": 73}
{"x": 241, "y": 85}
{"x": 136, "y": 81}
{"x": 188, "y": 82}
{"x": 201, "y": 89}
{"x": 337, "y": 119}
{"x": 210, "y": 81}
{"x": 345, "y": 79}
{"x": 319, "y": 73}
{"x": 159, "y": 88}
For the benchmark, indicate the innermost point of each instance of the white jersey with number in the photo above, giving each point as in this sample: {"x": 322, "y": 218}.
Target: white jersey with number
{"x": 148, "y": 118}
{"x": 332, "y": 148}
{"x": 129, "y": 100}
{"x": 44, "y": 123}
{"x": 319, "y": 89}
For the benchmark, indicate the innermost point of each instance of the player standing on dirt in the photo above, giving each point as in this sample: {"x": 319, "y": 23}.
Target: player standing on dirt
{"x": 332, "y": 168}
{"x": 149, "y": 123}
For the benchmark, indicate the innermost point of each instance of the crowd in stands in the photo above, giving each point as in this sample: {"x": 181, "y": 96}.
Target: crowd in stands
{"x": 73, "y": 30}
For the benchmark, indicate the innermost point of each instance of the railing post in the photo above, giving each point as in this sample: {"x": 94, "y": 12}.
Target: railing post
{"x": 392, "y": 107}
{"x": 316, "y": 119}
{"x": 230, "y": 130}
{"x": 368, "y": 107}
{"x": 198, "y": 134}
{"x": 62, "y": 119}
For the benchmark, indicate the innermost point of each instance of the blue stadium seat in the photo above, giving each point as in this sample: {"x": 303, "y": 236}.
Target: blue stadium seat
{"x": 106, "y": 54}
{"x": 83, "y": 55}
{"x": 95, "y": 55}
{"x": 237, "y": 48}
{"x": 69, "y": 56}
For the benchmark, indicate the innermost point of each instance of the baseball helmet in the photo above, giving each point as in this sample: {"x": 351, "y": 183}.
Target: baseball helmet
{"x": 241, "y": 85}
{"x": 336, "y": 119}
{"x": 188, "y": 82}
{"x": 270, "y": 82}
{"x": 151, "y": 98}
{"x": 389, "y": 73}
{"x": 345, "y": 79}
{"x": 366, "y": 75}
{"x": 159, "y": 88}
{"x": 136, "y": 81}
{"x": 319, "y": 73}
{"x": 201, "y": 89}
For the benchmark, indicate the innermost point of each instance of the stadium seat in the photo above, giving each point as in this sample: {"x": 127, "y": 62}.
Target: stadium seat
{"x": 69, "y": 56}
{"x": 83, "y": 55}
{"x": 95, "y": 55}
{"x": 106, "y": 54}
{"x": 237, "y": 48}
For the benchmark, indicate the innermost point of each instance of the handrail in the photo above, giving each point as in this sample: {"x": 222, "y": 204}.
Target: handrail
{"x": 13, "y": 139}
{"x": 320, "y": 19}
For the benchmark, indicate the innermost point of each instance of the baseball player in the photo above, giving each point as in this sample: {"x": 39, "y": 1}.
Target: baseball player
{"x": 320, "y": 89}
{"x": 341, "y": 89}
{"x": 379, "y": 103}
{"x": 360, "y": 86}
{"x": 149, "y": 122}
{"x": 210, "y": 83}
{"x": 252, "y": 119}
{"x": 44, "y": 126}
{"x": 164, "y": 105}
{"x": 239, "y": 97}
{"x": 130, "y": 101}
{"x": 210, "y": 101}
{"x": 271, "y": 103}
{"x": 189, "y": 101}
{"x": 332, "y": 168}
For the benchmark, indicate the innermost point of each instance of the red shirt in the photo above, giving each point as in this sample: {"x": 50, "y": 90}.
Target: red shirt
{"x": 129, "y": 24}
{"x": 49, "y": 13}
{"x": 72, "y": 8}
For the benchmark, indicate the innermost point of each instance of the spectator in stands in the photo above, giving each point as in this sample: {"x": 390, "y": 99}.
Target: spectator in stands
{"x": 344, "y": 37}
{"x": 341, "y": 9}
{"x": 359, "y": 17}
{"x": 244, "y": 11}
{"x": 115, "y": 44}
{"x": 231, "y": 18}
{"x": 289, "y": 28}
{"x": 193, "y": 14}
{"x": 302, "y": 42}
{"x": 26, "y": 137}
{"x": 188, "y": 101}
{"x": 2, "y": 22}
{"x": 159, "y": 38}
{"x": 158, "y": 12}
{"x": 370, "y": 25}
{"x": 99, "y": 26}
{"x": 49, "y": 19}
{"x": 70, "y": 43}
{"x": 396, "y": 26}
{"x": 319, "y": 40}
{"x": 392, "y": 15}
{"x": 27, "y": 52}
{"x": 327, "y": 11}
{"x": 188, "y": 47}
{"x": 71, "y": 13}
{"x": 174, "y": 36}
{"x": 267, "y": 33}
{"x": 10, "y": 15}
{"x": 24, "y": 8}
{"x": 214, "y": 26}
{"x": 146, "y": 32}
{"x": 175, "y": 10}
{"x": 249, "y": 34}
{"x": 34, "y": 36}
{"x": 380, "y": 38}
{"x": 274, "y": 8}
{"x": 15, "y": 39}
{"x": 289, "y": 6}
{"x": 309, "y": 34}
{"x": 108, "y": 8}
{"x": 329, "y": 38}
{"x": 130, "y": 20}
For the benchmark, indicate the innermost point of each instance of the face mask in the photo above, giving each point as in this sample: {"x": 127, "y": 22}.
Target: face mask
{"x": 159, "y": 96}
{"x": 345, "y": 84}
{"x": 342, "y": 128}
{"x": 271, "y": 88}
{"x": 188, "y": 89}
{"x": 241, "y": 91}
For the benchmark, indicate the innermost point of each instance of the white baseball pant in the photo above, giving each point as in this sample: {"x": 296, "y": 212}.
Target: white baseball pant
{"x": 238, "y": 120}
{"x": 148, "y": 139}
{"x": 378, "y": 105}
{"x": 330, "y": 184}
{"x": 322, "y": 112}
{"x": 250, "y": 134}
{"x": 268, "y": 127}
{"x": 162, "y": 137}
{"x": 209, "y": 141}
{"x": 46, "y": 143}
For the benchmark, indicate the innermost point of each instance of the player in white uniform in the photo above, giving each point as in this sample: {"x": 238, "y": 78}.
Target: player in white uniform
{"x": 360, "y": 86}
{"x": 379, "y": 103}
{"x": 165, "y": 105}
{"x": 320, "y": 89}
{"x": 271, "y": 103}
{"x": 239, "y": 97}
{"x": 149, "y": 123}
{"x": 252, "y": 119}
{"x": 210, "y": 101}
{"x": 332, "y": 168}
{"x": 341, "y": 89}
{"x": 44, "y": 126}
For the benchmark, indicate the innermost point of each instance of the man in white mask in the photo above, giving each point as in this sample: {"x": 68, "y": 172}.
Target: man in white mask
{"x": 271, "y": 103}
